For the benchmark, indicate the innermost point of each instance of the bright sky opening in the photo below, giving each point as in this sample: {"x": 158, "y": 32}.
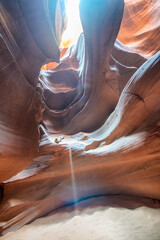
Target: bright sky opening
{"x": 74, "y": 27}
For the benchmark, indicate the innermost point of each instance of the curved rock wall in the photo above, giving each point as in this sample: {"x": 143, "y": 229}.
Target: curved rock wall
{"x": 140, "y": 28}
{"x": 101, "y": 86}
{"x": 25, "y": 32}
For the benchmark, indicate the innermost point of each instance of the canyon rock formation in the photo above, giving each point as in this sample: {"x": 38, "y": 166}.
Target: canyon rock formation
{"x": 140, "y": 26}
{"x": 103, "y": 97}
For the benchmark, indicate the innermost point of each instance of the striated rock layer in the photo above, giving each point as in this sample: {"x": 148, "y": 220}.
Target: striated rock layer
{"x": 101, "y": 91}
{"x": 24, "y": 41}
{"x": 140, "y": 28}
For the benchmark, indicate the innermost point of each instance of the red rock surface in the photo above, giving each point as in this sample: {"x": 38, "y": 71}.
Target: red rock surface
{"x": 103, "y": 93}
{"x": 140, "y": 28}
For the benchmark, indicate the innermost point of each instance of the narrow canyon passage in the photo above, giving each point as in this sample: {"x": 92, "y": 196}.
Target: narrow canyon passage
{"x": 79, "y": 116}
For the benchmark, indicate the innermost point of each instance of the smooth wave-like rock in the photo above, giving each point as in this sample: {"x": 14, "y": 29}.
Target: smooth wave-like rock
{"x": 140, "y": 28}
{"x": 25, "y": 33}
{"x": 102, "y": 90}
{"x": 93, "y": 53}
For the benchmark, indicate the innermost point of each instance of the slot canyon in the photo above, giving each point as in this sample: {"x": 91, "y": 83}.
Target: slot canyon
{"x": 79, "y": 120}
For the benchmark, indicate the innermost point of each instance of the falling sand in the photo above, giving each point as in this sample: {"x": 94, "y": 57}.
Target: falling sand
{"x": 100, "y": 223}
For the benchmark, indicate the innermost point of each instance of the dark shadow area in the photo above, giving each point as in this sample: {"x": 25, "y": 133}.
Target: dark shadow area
{"x": 1, "y": 192}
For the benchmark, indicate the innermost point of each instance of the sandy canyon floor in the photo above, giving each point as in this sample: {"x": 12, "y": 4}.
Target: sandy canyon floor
{"x": 100, "y": 223}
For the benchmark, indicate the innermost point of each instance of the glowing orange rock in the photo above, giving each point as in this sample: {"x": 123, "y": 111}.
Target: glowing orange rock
{"x": 140, "y": 27}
